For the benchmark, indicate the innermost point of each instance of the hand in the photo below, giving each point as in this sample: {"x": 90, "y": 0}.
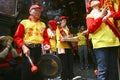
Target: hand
{"x": 46, "y": 47}
{"x": 9, "y": 43}
{"x": 104, "y": 12}
{"x": 78, "y": 37}
{"x": 26, "y": 50}
{"x": 61, "y": 40}
{"x": 85, "y": 32}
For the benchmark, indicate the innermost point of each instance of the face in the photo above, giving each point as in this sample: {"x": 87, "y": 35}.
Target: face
{"x": 82, "y": 28}
{"x": 63, "y": 23}
{"x": 50, "y": 26}
{"x": 35, "y": 13}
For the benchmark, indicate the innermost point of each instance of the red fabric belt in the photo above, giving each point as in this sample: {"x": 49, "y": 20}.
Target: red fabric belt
{"x": 4, "y": 65}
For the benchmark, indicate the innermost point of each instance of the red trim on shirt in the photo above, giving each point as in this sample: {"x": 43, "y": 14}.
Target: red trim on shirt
{"x": 93, "y": 24}
{"x": 46, "y": 38}
{"x": 19, "y": 34}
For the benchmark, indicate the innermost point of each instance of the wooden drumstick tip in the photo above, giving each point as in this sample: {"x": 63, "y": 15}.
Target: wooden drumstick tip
{"x": 34, "y": 68}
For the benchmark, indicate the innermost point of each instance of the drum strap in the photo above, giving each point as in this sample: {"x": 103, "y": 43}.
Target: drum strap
{"x": 113, "y": 28}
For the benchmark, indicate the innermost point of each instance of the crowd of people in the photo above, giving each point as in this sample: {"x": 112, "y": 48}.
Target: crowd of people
{"x": 33, "y": 39}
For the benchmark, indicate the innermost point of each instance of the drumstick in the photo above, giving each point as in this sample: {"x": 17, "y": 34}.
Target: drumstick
{"x": 33, "y": 68}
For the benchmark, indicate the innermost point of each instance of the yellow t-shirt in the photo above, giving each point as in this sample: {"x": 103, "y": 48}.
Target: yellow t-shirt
{"x": 82, "y": 39}
{"x": 58, "y": 36}
{"x": 33, "y": 31}
{"x": 104, "y": 36}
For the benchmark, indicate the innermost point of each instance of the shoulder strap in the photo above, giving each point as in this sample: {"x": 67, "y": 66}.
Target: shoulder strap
{"x": 113, "y": 28}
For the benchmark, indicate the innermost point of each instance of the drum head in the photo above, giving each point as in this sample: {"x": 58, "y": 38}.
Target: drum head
{"x": 49, "y": 66}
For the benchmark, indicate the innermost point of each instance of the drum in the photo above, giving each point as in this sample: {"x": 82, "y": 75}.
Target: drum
{"x": 70, "y": 39}
{"x": 49, "y": 66}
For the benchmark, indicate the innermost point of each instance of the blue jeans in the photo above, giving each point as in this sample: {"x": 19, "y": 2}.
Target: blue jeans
{"x": 83, "y": 54}
{"x": 107, "y": 63}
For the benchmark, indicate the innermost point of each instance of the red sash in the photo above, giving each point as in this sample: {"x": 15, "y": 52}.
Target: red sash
{"x": 113, "y": 28}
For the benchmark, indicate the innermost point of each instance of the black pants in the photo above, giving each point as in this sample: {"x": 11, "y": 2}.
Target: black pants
{"x": 67, "y": 64}
{"x": 11, "y": 73}
{"x": 35, "y": 54}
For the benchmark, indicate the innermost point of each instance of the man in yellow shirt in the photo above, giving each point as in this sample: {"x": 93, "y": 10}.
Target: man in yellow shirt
{"x": 105, "y": 41}
{"x": 29, "y": 37}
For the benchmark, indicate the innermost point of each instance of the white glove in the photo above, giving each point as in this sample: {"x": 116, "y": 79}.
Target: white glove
{"x": 14, "y": 53}
{"x": 46, "y": 47}
{"x": 9, "y": 43}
